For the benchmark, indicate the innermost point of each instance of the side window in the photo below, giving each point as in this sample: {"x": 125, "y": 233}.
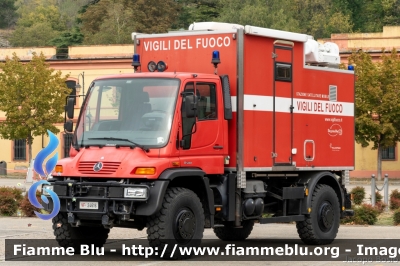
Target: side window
{"x": 187, "y": 123}
{"x": 283, "y": 72}
{"x": 207, "y": 101}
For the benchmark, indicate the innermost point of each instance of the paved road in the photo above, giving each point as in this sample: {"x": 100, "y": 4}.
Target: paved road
{"x": 34, "y": 228}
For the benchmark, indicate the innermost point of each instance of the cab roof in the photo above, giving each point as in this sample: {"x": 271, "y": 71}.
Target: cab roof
{"x": 178, "y": 75}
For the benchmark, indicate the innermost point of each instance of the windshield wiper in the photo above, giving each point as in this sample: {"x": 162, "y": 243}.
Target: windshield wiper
{"x": 127, "y": 140}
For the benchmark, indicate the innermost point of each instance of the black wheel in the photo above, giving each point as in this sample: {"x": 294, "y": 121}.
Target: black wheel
{"x": 322, "y": 225}
{"x": 180, "y": 222}
{"x": 68, "y": 236}
{"x": 228, "y": 233}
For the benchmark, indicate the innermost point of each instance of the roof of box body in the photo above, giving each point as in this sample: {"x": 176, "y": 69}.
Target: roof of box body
{"x": 220, "y": 27}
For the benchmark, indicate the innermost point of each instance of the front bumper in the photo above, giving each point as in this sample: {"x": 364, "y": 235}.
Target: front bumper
{"x": 108, "y": 195}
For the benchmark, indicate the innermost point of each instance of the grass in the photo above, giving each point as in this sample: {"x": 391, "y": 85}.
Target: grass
{"x": 385, "y": 218}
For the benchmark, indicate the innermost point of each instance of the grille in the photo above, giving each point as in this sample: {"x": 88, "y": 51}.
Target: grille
{"x": 332, "y": 93}
{"x": 108, "y": 168}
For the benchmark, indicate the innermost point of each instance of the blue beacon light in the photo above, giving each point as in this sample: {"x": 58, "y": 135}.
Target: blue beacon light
{"x": 215, "y": 60}
{"x": 136, "y": 61}
{"x": 350, "y": 67}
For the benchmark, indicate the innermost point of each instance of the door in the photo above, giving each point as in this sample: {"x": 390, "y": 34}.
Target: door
{"x": 283, "y": 103}
{"x": 201, "y": 142}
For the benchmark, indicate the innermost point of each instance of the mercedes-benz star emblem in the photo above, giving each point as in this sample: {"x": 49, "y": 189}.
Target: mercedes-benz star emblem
{"x": 98, "y": 166}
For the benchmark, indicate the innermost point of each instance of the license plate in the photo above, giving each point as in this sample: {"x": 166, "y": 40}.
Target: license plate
{"x": 88, "y": 205}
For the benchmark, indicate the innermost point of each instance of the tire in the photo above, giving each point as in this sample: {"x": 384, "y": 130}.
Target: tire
{"x": 179, "y": 223}
{"x": 322, "y": 225}
{"x": 68, "y": 236}
{"x": 231, "y": 234}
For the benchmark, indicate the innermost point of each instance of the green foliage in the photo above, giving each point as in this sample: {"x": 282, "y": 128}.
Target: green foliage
{"x": 32, "y": 95}
{"x": 39, "y": 22}
{"x": 26, "y": 206}
{"x": 69, "y": 10}
{"x": 10, "y": 198}
{"x": 380, "y": 206}
{"x": 7, "y": 13}
{"x": 15, "y": 191}
{"x": 378, "y": 197}
{"x": 113, "y": 21}
{"x": 364, "y": 214}
{"x": 377, "y": 101}
{"x": 66, "y": 39}
{"x": 395, "y": 194}
{"x": 394, "y": 203}
{"x": 394, "y": 199}
{"x": 358, "y": 195}
{"x": 277, "y": 14}
{"x": 396, "y": 217}
{"x": 196, "y": 11}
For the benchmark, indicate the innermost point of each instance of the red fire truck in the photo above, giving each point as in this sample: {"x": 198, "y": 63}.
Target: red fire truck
{"x": 221, "y": 126}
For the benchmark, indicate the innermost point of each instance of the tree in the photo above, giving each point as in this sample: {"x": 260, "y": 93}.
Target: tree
{"x": 32, "y": 95}
{"x": 7, "y": 13}
{"x": 320, "y": 18}
{"x": 113, "y": 21}
{"x": 66, "y": 39}
{"x": 261, "y": 13}
{"x": 39, "y": 22}
{"x": 196, "y": 11}
{"x": 377, "y": 103}
{"x": 69, "y": 10}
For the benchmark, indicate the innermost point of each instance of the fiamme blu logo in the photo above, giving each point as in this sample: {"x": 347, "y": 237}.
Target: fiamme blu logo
{"x": 38, "y": 167}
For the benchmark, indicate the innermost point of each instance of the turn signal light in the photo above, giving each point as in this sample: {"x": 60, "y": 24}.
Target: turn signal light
{"x": 58, "y": 169}
{"x": 145, "y": 171}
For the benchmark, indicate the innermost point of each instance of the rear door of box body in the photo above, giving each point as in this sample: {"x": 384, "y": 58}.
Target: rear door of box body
{"x": 282, "y": 103}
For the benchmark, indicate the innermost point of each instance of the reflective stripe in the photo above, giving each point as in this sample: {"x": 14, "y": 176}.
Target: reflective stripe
{"x": 300, "y": 106}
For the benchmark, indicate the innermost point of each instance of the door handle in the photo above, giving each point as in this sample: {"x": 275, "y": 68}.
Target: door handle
{"x": 218, "y": 147}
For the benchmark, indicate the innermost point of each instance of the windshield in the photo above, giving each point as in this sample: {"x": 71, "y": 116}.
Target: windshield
{"x": 128, "y": 112}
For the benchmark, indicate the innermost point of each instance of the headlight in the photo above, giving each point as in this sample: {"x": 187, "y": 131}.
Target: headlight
{"x": 44, "y": 192}
{"x": 135, "y": 192}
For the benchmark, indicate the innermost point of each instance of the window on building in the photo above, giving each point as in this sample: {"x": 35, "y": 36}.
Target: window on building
{"x": 388, "y": 153}
{"x": 67, "y": 144}
{"x": 20, "y": 150}
{"x": 71, "y": 84}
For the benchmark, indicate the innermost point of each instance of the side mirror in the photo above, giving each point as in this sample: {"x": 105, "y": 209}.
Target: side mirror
{"x": 70, "y": 108}
{"x": 68, "y": 126}
{"x": 190, "y": 106}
